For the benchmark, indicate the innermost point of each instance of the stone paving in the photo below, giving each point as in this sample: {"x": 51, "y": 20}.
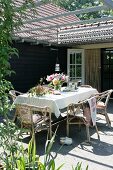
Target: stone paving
{"x": 97, "y": 155}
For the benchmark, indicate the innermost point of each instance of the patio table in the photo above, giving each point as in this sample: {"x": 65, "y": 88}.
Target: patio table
{"x": 57, "y": 102}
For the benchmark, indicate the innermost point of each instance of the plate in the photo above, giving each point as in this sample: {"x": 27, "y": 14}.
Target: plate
{"x": 67, "y": 89}
{"x": 56, "y": 92}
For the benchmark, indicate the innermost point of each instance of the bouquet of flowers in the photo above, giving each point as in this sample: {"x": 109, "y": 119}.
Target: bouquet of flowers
{"x": 38, "y": 90}
{"x": 56, "y": 80}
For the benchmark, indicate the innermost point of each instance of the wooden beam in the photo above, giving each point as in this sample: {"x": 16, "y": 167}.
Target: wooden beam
{"x": 85, "y": 39}
{"x": 87, "y": 35}
{"x": 67, "y": 24}
{"x": 76, "y": 12}
{"x": 93, "y": 46}
{"x": 73, "y": 30}
{"x": 109, "y": 3}
{"x": 93, "y": 27}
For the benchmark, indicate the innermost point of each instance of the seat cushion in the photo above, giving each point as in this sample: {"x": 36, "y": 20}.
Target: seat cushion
{"x": 100, "y": 105}
{"x": 87, "y": 115}
{"x": 27, "y": 119}
{"x": 37, "y": 118}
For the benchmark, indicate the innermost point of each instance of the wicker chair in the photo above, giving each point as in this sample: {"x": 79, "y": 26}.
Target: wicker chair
{"x": 85, "y": 85}
{"x": 34, "y": 118}
{"x": 80, "y": 114}
{"x": 14, "y": 94}
{"x": 102, "y": 104}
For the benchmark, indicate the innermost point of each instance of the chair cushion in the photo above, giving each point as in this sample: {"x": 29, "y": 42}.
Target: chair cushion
{"x": 87, "y": 115}
{"x": 27, "y": 119}
{"x": 100, "y": 105}
{"x": 37, "y": 118}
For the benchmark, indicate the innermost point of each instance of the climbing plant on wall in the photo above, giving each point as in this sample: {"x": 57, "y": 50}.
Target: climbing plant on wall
{"x": 10, "y": 19}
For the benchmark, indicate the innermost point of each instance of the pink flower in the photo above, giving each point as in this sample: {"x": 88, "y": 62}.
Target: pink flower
{"x": 56, "y": 74}
{"x": 63, "y": 78}
{"x": 57, "y": 79}
{"x": 50, "y": 78}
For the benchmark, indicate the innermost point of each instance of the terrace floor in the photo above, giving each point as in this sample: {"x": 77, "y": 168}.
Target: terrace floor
{"x": 97, "y": 155}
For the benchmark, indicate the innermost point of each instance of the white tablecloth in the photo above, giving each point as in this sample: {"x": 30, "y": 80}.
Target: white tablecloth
{"x": 56, "y": 102}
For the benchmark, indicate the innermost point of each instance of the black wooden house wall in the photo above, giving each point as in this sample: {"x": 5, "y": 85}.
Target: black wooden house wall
{"x": 34, "y": 62}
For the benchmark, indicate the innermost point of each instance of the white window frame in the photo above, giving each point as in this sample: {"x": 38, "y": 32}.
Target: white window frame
{"x": 69, "y": 51}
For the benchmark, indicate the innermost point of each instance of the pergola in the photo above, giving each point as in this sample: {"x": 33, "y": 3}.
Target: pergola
{"x": 53, "y": 25}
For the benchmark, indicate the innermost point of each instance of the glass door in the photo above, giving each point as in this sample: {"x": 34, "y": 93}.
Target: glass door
{"x": 75, "y": 64}
{"x": 107, "y": 69}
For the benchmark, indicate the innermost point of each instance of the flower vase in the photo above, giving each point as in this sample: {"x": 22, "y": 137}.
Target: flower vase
{"x": 57, "y": 87}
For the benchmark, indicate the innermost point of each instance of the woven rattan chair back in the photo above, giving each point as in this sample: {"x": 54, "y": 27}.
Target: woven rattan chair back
{"x": 14, "y": 94}
{"x": 85, "y": 85}
{"x": 80, "y": 114}
{"x": 102, "y": 104}
{"x": 34, "y": 118}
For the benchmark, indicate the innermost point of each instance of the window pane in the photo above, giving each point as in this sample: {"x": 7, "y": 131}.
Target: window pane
{"x": 78, "y": 71}
{"x": 72, "y": 78}
{"x": 72, "y": 70}
{"x": 72, "y": 58}
{"x": 78, "y": 58}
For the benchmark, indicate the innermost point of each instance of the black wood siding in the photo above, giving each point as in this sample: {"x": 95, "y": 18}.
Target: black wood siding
{"x": 34, "y": 62}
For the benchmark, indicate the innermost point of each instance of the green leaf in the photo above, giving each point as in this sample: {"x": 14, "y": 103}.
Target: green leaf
{"x": 48, "y": 147}
{"x": 60, "y": 167}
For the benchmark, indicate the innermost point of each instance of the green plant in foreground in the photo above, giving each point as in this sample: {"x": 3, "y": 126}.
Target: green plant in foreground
{"x": 79, "y": 166}
{"x": 30, "y": 160}
{"x": 9, "y": 135}
{"x": 9, "y": 20}
{"x": 14, "y": 156}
